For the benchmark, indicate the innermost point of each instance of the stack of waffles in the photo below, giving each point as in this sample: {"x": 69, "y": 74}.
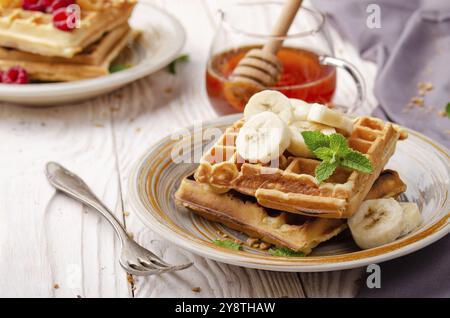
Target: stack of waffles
{"x": 285, "y": 205}
{"x": 30, "y": 39}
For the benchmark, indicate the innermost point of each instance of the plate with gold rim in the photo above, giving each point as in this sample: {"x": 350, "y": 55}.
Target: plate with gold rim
{"x": 422, "y": 164}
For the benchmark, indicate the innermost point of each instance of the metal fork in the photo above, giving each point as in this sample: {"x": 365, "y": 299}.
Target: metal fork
{"x": 134, "y": 258}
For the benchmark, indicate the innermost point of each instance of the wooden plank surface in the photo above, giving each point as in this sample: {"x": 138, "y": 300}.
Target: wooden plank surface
{"x": 48, "y": 239}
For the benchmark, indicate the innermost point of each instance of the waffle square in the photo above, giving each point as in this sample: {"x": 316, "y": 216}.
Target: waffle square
{"x": 292, "y": 186}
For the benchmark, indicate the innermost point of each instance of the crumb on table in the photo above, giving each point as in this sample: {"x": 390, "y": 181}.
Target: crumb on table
{"x": 130, "y": 279}
{"x": 264, "y": 246}
{"x": 251, "y": 241}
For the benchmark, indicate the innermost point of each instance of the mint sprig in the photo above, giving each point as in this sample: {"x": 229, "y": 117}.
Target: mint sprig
{"x": 228, "y": 244}
{"x": 447, "y": 110}
{"x": 119, "y": 67}
{"x": 285, "y": 252}
{"x": 334, "y": 151}
{"x": 315, "y": 140}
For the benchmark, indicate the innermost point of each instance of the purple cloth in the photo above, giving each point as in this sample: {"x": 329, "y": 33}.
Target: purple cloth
{"x": 412, "y": 46}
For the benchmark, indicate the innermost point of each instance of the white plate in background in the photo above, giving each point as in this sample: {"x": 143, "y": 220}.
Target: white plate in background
{"x": 161, "y": 42}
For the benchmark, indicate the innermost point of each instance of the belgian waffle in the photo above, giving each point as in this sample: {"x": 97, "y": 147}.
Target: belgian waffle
{"x": 292, "y": 185}
{"x": 94, "y": 61}
{"x": 244, "y": 214}
{"x": 33, "y": 32}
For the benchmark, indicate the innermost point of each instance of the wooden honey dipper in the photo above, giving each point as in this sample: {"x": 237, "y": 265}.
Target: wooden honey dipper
{"x": 260, "y": 68}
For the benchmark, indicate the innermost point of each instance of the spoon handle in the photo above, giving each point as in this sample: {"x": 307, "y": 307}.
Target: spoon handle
{"x": 72, "y": 185}
{"x": 283, "y": 24}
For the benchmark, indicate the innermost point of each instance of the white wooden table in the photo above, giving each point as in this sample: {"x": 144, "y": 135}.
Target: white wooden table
{"x": 51, "y": 246}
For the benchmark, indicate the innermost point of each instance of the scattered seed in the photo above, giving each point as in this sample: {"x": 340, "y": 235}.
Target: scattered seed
{"x": 56, "y": 286}
{"x": 425, "y": 86}
{"x": 251, "y": 241}
{"x": 196, "y": 289}
{"x": 418, "y": 101}
{"x": 264, "y": 246}
{"x": 130, "y": 279}
{"x": 442, "y": 113}
{"x": 126, "y": 213}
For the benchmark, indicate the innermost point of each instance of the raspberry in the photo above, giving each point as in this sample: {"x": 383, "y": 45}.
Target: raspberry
{"x": 58, "y": 4}
{"x": 36, "y": 5}
{"x": 15, "y": 75}
{"x": 62, "y": 20}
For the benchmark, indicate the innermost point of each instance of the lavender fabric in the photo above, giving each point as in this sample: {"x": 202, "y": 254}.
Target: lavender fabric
{"x": 411, "y": 46}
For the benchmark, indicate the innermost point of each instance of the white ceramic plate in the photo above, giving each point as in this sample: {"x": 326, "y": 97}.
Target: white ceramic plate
{"x": 422, "y": 164}
{"x": 161, "y": 42}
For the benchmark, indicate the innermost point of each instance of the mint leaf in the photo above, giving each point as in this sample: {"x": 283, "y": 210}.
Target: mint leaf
{"x": 447, "y": 110}
{"x": 325, "y": 170}
{"x": 228, "y": 244}
{"x": 172, "y": 67}
{"x": 324, "y": 153}
{"x": 357, "y": 161}
{"x": 338, "y": 143}
{"x": 334, "y": 151}
{"x": 118, "y": 67}
{"x": 285, "y": 252}
{"x": 315, "y": 140}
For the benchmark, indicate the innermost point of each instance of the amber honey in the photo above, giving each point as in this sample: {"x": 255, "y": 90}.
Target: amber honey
{"x": 303, "y": 77}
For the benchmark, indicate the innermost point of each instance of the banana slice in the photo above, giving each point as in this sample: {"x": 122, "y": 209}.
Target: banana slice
{"x": 272, "y": 101}
{"x": 262, "y": 138}
{"x": 376, "y": 222}
{"x": 300, "y": 108}
{"x": 298, "y": 147}
{"x": 411, "y": 217}
{"x": 323, "y": 115}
